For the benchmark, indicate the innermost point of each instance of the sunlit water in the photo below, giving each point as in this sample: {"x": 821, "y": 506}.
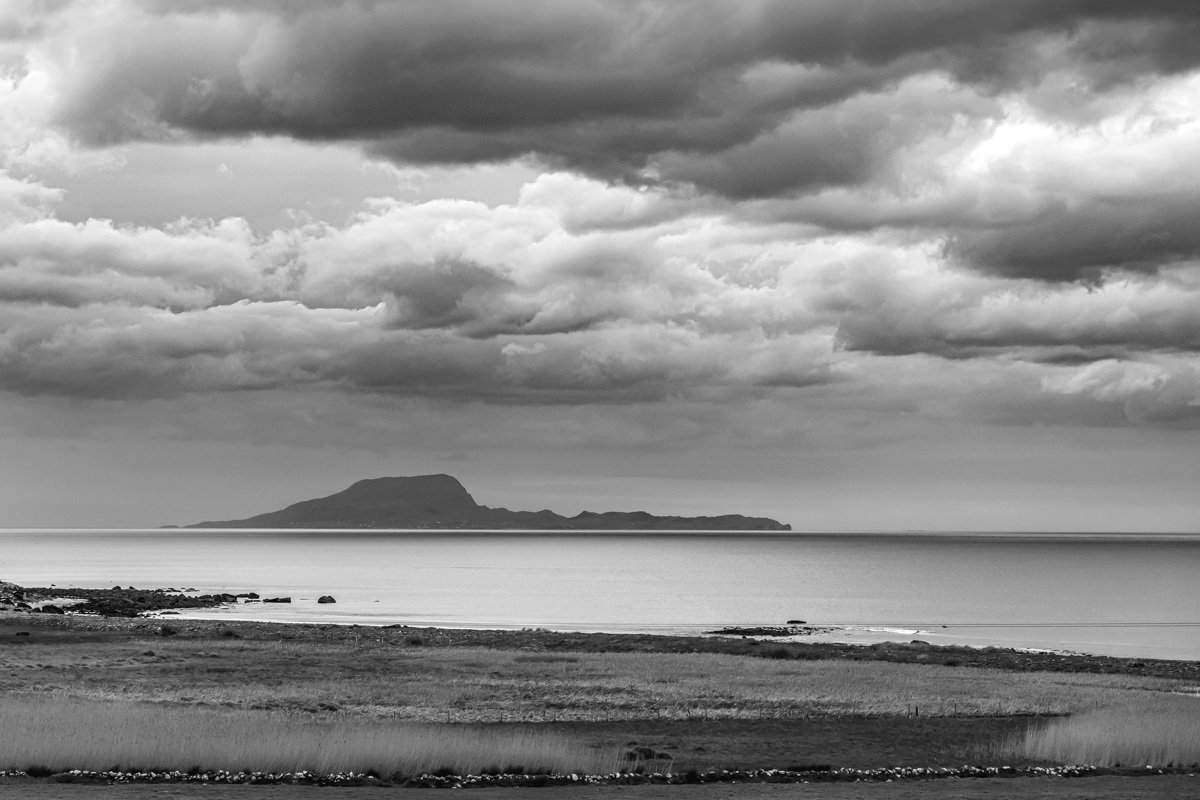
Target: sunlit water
{"x": 1113, "y": 594}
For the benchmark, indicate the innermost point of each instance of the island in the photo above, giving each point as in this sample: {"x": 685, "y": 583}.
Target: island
{"x": 441, "y": 502}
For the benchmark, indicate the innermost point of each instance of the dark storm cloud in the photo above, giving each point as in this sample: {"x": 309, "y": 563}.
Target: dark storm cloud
{"x": 607, "y": 87}
{"x": 1067, "y": 242}
{"x": 768, "y": 100}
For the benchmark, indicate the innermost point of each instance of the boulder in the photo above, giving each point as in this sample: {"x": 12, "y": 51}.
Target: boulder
{"x": 277, "y": 599}
{"x": 326, "y": 599}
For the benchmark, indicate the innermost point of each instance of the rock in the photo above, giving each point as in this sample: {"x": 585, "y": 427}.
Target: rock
{"x": 49, "y": 608}
{"x": 760, "y": 630}
{"x": 796, "y": 622}
{"x": 249, "y": 595}
{"x": 21, "y": 633}
{"x": 326, "y": 599}
{"x": 277, "y": 599}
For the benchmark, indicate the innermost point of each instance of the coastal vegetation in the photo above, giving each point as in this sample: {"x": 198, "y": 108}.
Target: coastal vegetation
{"x": 1162, "y": 733}
{"x": 90, "y": 692}
{"x": 377, "y": 676}
{"x": 59, "y": 733}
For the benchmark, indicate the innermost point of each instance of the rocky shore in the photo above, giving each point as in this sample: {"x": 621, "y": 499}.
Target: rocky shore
{"x": 118, "y": 601}
{"x": 791, "y": 629}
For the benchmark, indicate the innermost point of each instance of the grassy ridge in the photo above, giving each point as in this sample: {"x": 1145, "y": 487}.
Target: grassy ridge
{"x": 61, "y": 733}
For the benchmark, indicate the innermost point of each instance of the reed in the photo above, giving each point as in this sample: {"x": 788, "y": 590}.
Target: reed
{"x": 59, "y": 733}
{"x": 1167, "y": 735}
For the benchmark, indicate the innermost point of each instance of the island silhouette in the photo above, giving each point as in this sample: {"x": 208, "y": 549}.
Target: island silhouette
{"x": 441, "y": 502}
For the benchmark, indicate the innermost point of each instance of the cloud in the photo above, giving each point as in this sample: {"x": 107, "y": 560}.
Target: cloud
{"x": 578, "y": 293}
{"x": 139, "y": 265}
{"x": 1048, "y": 140}
{"x": 617, "y": 90}
{"x": 444, "y": 299}
{"x": 890, "y": 306}
{"x": 858, "y": 140}
{"x": 1163, "y": 391}
{"x": 737, "y": 201}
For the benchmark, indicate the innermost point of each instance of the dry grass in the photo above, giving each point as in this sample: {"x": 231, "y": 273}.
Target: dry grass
{"x": 1165, "y": 733}
{"x": 213, "y": 699}
{"x": 478, "y": 685}
{"x": 60, "y": 734}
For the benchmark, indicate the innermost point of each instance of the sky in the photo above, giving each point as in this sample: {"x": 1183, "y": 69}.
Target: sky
{"x": 851, "y": 264}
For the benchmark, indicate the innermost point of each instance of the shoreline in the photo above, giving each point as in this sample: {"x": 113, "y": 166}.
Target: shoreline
{"x": 424, "y": 579}
{"x": 813, "y": 640}
{"x": 543, "y": 640}
{"x": 855, "y": 634}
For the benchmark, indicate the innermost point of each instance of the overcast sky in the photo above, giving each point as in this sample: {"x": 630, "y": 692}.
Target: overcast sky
{"x": 852, "y": 264}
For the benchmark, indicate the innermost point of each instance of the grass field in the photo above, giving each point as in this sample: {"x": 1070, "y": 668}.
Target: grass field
{"x": 480, "y": 685}
{"x": 249, "y": 697}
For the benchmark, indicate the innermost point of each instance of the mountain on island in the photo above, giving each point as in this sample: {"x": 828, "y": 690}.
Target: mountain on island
{"x": 440, "y": 501}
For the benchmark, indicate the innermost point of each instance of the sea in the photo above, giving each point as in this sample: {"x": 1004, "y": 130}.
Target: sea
{"x": 1110, "y": 594}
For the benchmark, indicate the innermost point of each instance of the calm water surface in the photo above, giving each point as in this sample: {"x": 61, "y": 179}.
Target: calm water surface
{"x": 1116, "y": 594}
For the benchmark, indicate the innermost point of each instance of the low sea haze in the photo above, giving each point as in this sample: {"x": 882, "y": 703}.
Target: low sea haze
{"x": 1116, "y": 594}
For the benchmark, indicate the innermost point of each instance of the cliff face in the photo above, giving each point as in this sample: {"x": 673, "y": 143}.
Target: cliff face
{"x": 441, "y": 502}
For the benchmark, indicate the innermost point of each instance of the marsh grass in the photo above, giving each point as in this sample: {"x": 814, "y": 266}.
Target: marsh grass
{"x": 57, "y": 734}
{"x": 1164, "y": 734}
{"x": 480, "y": 685}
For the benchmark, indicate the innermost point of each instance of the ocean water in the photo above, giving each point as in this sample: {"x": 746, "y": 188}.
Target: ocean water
{"x": 1100, "y": 593}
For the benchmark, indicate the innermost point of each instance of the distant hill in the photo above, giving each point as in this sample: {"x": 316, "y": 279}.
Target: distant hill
{"x": 440, "y": 501}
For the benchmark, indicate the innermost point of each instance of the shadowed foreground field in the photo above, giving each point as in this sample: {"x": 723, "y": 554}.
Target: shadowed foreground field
{"x": 682, "y": 704}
